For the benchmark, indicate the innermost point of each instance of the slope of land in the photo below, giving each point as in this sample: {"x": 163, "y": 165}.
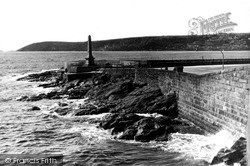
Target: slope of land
{"x": 154, "y": 43}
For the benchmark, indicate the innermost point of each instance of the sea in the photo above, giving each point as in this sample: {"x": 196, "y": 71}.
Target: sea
{"x": 82, "y": 143}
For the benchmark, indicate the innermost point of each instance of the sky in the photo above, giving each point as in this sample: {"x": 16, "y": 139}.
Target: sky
{"x": 23, "y": 22}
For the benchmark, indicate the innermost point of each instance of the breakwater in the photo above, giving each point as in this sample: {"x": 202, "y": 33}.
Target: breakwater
{"x": 211, "y": 101}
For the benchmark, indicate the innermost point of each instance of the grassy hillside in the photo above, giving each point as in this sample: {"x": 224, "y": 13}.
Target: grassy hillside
{"x": 155, "y": 43}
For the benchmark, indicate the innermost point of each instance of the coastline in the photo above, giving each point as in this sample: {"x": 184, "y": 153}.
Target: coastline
{"x": 118, "y": 97}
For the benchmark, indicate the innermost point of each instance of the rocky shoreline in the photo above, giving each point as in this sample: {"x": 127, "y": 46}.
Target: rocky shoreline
{"x": 135, "y": 111}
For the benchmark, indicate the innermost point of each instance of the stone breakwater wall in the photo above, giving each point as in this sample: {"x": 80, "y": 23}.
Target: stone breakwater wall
{"x": 211, "y": 101}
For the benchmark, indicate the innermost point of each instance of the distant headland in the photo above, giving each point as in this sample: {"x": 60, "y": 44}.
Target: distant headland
{"x": 227, "y": 42}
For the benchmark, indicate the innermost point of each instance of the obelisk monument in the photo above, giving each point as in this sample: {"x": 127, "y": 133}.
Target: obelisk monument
{"x": 90, "y": 60}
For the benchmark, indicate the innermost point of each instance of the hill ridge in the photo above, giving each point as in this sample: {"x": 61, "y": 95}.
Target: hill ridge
{"x": 232, "y": 41}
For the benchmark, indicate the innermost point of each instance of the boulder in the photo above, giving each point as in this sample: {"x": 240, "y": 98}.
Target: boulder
{"x": 62, "y": 111}
{"x": 102, "y": 79}
{"x": 34, "y": 108}
{"x": 77, "y": 93}
{"x": 62, "y": 104}
{"x": 233, "y": 155}
{"x": 53, "y": 95}
{"x": 165, "y": 136}
{"x": 87, "y": 109}
{"x": 148, "y": 128}
{"x": 129, "y": 133}
{"x": 151, "y": 128}
{"x": 119, "y": 122}
{"x": 107, "y": 120}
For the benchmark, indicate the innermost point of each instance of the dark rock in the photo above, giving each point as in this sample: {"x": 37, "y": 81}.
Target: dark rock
{"x": 75, "y": 82}
{"x": 170, "y": 101}
{"x": 62, "y": 111}
{"x": 50, "y": 85}
{"x": 121, "y": 89}
{"x": 107, "y": 120}
{"x": 62, "y": 104}
{"x": 119, "y": 121}
{"x": 106, "y": 108}
{"x": 138, "y": 101}
{"x": 53, "y": 95}
{"x": 148, "y": 100}
{"x": 148, "y": 129}
{"x": 220, "y": 155}
{"x": 116, "y": 90}
{"x": 233, "y": 155}
{"x": 102, "y": 79}
{"x": 129, "y": 133}
{"x": 243, "y": 161}
{"x": 139, "y": 84}
{"x": 77, "y": 93}
{"x": 44, "y": 76}
{"x": 88, "y": 109}
{"x": 189, "y": 129}
{"x": 34, "y": 108}
{"x": 23, "y": 98}
{"x": 165, "y": 136}
{"x": 34, "y": 98}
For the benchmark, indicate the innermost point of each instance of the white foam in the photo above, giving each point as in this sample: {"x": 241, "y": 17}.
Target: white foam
{"x": 97, "y": 116}
{"x": 155, "y": 115}
{"x": 198, "y": 146}
{"x": 89, "y": 132}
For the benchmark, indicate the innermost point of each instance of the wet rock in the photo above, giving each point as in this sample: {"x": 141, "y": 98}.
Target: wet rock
{"x": 107, "y": 120}
{"x": 75, "y": 82}
{"x": 129, "y": 133}
{"x": 139, "y": 128}
{"x": 50, "y": 85}
{"x": 165, "y": 135}
{"x": 53, "y": 95}
{"x": 119, "y": 121}
{"x": 35, "y": 98}
{"x": 44, "y": 76}
{"x": 88, "y": 109}
{"x": 233, "y": 155}
{"x": 77, "y": 93}
{"x": 146, "y": 130}
{"x": 22, "y": 98}
{"x": 106, "y": 108}
{"x": 154, "y": 128}
{"x": 188, "y": 129}
{"x": 62, "y": 111}
{"x": 34, "y": 108}
{"x": 62, "y": 104}
{"x": 102, "y": 79}
{"x": 243, "y": 161}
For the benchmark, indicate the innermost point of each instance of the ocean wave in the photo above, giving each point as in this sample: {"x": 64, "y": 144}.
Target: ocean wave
{"x": 198, "y": 147}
